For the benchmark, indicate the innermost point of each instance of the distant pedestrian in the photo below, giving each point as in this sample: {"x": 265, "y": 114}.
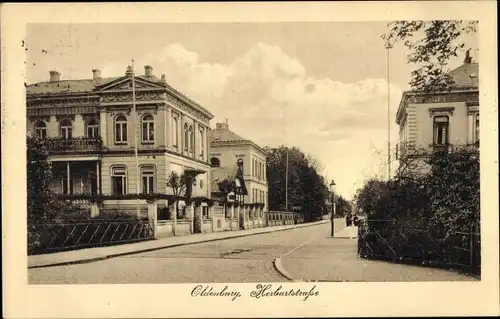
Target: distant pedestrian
{"x": 355, "y": 220}
{"x": 348, "y": 220}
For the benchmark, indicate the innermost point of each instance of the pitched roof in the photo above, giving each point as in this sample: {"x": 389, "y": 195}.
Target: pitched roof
{"x": 74, "y": 86}
{"x": 466, "y": 76}
{"x": 221, "y": 134}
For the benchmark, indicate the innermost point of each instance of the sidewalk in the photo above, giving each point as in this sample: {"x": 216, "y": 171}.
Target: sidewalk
{"x": 99, "y": 253}
{"x": 335, "y": 259}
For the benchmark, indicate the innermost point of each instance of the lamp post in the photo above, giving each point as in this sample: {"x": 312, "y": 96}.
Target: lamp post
{"x": 332, "y": 217}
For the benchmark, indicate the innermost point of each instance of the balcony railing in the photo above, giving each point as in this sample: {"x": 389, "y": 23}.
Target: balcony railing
{"x": 74, "y": 144}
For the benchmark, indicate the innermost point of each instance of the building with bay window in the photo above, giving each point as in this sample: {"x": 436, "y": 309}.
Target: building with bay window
{"x": 441, "y": 119}
{"x": 228, "y": 151}
{"x": 92, "y": 133}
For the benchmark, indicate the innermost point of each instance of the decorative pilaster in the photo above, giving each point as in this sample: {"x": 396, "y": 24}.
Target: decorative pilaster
{"x": 103, "y": 127}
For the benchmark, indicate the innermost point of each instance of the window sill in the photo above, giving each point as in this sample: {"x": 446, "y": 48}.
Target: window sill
{"x": 148, "y": 142}
{"x": 121, "y": 143}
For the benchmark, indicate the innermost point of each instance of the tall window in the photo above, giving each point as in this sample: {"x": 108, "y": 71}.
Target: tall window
{"x": 92, "y": 128}
{"x": 148, "y": 129}
{"x": 441, "y": 130}
{"x": 148, "y": 178}
{"x": 239, "y": 163}
{"x": 202, "y": 150}
{"x": 191, "y": 139}
{"x": 253, "y": 167}
{"x": 41, "y": 129}
{"x": 175, "y": 132}
{"x": 186, "y": 136}
{"x": 66, "y": 129}
{"x": 120, "y": 129}
{"x": 119, "y": 180}
{"x": 477, "y": 129}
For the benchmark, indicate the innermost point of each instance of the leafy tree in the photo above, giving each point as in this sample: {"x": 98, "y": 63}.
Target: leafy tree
{"x": 306, "y": 187}
{"x": 441, "y": 40}
{"x": 178, "y": 183}
{"x": 39, "y": 176}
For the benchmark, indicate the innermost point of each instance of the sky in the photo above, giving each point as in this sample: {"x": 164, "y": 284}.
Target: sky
{"x": 319, "y": 86}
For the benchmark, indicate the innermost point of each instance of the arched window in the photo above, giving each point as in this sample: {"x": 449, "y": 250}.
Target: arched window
{"x": 120, "y": 129}
{"x": 41, "y": 129}
{"x": 214, "y": 162}
{"x": 202, "y": 140}
{"x": 119, "y": 180}
{"x": 186, "y": 136}
{"x": 175, "y": 133}
{"x": 148, "y": 129}
{"x": 66, "y": 129}
{"x": 148, "y": 179}
{"x": 191, "y": 139}
{"x": 92, "y": 128}
{"x": 441, "y": 131}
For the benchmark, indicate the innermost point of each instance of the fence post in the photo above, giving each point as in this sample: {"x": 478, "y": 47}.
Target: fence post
{"x": 152, "y": 211}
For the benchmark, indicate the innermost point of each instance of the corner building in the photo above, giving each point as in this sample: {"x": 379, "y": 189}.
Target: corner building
{"x": 90, "y": 128}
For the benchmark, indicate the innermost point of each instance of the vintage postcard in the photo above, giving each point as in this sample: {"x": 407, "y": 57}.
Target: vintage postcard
{"x": 250, "y": 159}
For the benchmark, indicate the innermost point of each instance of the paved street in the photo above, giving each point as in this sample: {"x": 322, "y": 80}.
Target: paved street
{"x": 307, "y": 253}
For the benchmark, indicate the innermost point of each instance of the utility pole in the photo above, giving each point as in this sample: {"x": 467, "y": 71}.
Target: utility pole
{"x": 388, "y": 46}
{"x": 332, "y": 217}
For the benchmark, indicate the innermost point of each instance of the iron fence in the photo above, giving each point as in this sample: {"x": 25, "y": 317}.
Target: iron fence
{"x": 70, "y": 235}
{"x": 388, "y": 240}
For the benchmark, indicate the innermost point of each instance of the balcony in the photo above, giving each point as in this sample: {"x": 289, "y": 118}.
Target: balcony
{"x": 79, "y": 144}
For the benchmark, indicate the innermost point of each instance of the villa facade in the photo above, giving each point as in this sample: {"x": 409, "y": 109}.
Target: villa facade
{"x": 92, "y": 134}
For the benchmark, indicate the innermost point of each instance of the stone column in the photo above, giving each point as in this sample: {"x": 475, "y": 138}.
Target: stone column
{"x": 94, "y": 210}
{"x": 68, "y": 176}
{"x": 190, "y": 213}
{"x": 231, "y": 216}
{"x": 470, "y": 128}
{"x": 173, "y": 213}
{"x": 152, "y": 211}
{"x": 168, "y": 124}
{"x": 98, "y": 177}
{"x": 103, "y": 126}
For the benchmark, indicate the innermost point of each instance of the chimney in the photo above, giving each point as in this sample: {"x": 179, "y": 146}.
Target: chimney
{"x": 222, "y": 125}
{"x": 148, "y": 70}
{"x": 55, "y": 76}
{"x": 163, "y": 78}
{"x": 468, "y": 59}
{"x": 96, "y": 74}
{"x": 129, "y": 71}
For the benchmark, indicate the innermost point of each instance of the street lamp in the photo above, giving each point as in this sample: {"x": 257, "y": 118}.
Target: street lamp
{"x": 332, "y": 190}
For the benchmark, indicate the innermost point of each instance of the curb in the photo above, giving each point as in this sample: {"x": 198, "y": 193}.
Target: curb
{"x": 278, "y": 265}
{"x": 88, "y": 260}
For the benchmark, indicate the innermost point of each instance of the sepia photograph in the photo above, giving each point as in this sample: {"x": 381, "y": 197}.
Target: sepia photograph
{"x": 197, "y": 162}
{"x": 285, "y": 155}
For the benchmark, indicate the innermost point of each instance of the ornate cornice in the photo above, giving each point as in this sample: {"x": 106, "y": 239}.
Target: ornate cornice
{"x": 59, "y": 118}
{"x": 187, "y": 108}
{"x": 52, "y": 101}
{"x": 441, "y": 110}
{"x": 35, "y": 118}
